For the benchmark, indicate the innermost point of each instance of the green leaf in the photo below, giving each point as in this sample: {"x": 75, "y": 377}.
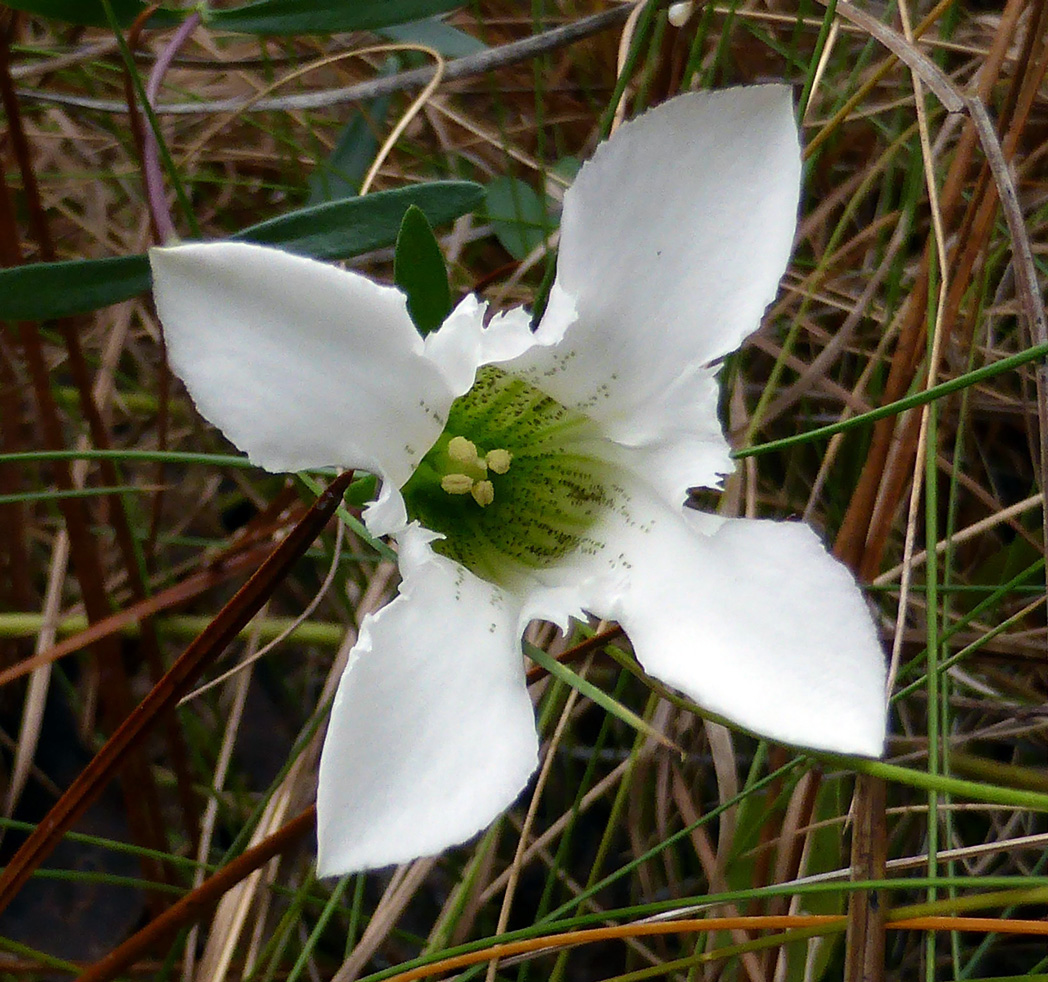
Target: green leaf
{"x": 522, "y": 219}
{"x": 91, "y": 13}
{"x": 323, "y": 16}
{"x": 351, "y": 226}
{"x": 443, "y": 38}
{"x": 341, "y": 175}
{"x": 42, "y": 291}
{"x": 336, "y": 230}
{"x": 419, "y": 270}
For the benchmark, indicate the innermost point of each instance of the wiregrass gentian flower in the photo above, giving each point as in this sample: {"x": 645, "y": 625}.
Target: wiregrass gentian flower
{"x": 542, "y": 474}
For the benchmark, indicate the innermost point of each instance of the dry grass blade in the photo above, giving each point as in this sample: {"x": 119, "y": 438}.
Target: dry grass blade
{"x": 200, "y": 900}
{"x": 930, "y": 73}
{"x": 143, "y": 805}
{"x": 192, "y": 586}
{"x": 175, "y": 683}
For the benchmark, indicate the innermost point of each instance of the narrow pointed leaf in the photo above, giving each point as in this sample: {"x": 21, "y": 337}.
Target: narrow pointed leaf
{"x": 324, "y": 16}
{"x": 418, "y": 269}
{"x": 335, "y": 230}
{"x": 351, "y": 226}
{"x": 42, "y": 291}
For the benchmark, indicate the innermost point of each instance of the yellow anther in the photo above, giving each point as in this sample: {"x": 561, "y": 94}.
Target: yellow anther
{"x": 498, "y": 460}
{"x": 457, "y": 483}
{"x": 462, "y": 451}
{"x": 483, "y": 493}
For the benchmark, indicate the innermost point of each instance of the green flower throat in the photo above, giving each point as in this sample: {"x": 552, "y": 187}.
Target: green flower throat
{"x": 507, "y": 482}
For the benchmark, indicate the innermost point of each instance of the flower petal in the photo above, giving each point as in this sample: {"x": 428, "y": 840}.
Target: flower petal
{"x": 688, "y": 448}
{"x": 673, "y": 239}
{"x": 432, "y": 733}
{"x": 299, "y": 363}
{"x": 463, "y": 343}
{"x": 752, "y": 619}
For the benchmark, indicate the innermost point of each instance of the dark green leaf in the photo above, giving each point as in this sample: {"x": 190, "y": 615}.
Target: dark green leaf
{"x": 337, "y": 230}
{"x": 356, "y": 225}
{"x": 42, "y": 291}
{"x": 419, "y": 270}
{"x": 91, "y": 13}
{"x": 521, "y": 218}
{"x": 324, "y": 16}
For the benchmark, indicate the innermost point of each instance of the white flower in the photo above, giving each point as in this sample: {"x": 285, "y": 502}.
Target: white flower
{"x": 542, "y": 474}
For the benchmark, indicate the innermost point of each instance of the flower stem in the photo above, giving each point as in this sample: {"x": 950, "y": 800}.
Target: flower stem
{"x": 154, "y": 178}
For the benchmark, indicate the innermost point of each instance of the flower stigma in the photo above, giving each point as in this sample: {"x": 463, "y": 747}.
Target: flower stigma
{"x": 509, "y": 483}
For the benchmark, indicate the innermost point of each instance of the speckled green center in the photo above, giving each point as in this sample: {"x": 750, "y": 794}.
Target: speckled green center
{"x": 545, "y": 502}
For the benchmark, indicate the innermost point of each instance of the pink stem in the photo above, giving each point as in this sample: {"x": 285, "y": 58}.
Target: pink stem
{"x": 154, "y": 177}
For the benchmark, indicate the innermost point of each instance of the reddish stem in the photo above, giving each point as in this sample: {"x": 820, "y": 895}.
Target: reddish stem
{"x": 154, "y": 178}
